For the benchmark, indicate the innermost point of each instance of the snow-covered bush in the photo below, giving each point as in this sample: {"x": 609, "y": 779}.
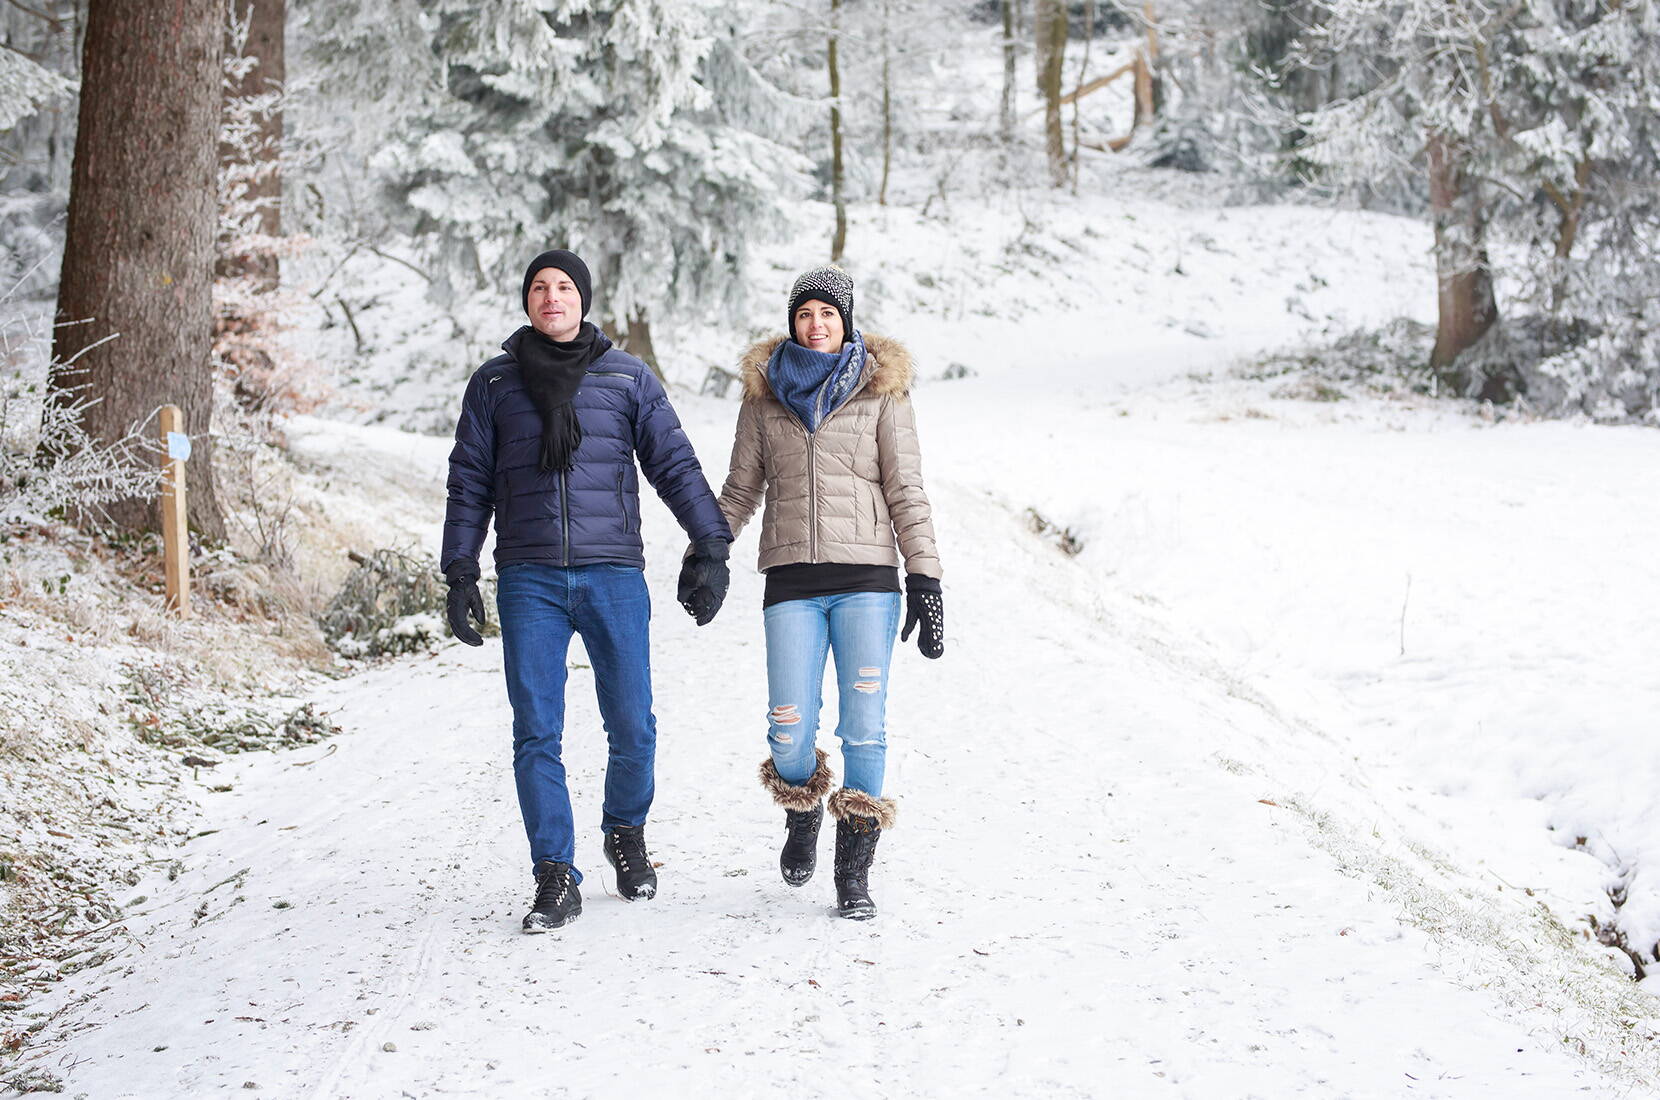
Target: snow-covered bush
{"x": 49, "y": 466}
{"x": 1387, "y": 361}
{"x": 160, "y": 713}
{"x": 392, "y": 603}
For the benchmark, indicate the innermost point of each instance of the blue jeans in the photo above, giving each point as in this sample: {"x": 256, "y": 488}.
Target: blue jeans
{"x": 540, "y": 607}
{"x": 859, "y": 628}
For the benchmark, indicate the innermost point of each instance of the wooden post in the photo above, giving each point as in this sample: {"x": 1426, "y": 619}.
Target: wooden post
{"x": 175, "y": 529}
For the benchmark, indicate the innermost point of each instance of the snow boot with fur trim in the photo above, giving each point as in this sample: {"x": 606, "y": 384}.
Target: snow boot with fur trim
{"x": 803, "y": 812}
{"x": 800, "y": 855}
{"x": 860, "y": 819}
{"x": 558, "y": 901}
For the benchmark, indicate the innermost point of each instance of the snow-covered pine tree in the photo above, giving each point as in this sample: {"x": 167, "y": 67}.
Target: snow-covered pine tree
{"x": 1535, "y": 121}
{"x": 1420, "y": 114}
{"x": 260, "y": 374}
{"x": 613, "y": 127}
{"x": 39, "y": 58}
{"x": 24, "y": 86}
{"x": 1579, "y": 114}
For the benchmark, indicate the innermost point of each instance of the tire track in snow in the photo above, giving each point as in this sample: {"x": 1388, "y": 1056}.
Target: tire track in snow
{"x": 348, "y": 1066}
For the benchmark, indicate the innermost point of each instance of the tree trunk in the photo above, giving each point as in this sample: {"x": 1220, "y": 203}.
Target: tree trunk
{"x": 887, "y": 101}
{"x": 1083, "y": 72}
{"x": 1007, "y": 120}
{"x": 1154, "y": 100}
{"x": 265, "y": 45}
{"x": 1464, "y": 277}
{"x": 636, "y": 340}
{"x": 139, "y": 248}
{"x": 837, "y": 183}
{"x": 1049, "y": 22}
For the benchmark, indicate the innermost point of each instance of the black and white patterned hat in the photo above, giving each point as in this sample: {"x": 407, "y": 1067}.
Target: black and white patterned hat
{"x": 823, "y": 284}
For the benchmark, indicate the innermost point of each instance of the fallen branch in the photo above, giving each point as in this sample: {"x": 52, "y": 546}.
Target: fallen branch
{"x": 1099, "y": 82}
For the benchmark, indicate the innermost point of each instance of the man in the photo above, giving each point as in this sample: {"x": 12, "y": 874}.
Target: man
{"x": 547, "y": 439}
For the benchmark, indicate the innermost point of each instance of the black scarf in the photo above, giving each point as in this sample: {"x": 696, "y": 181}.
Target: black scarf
{"x": 552, "y": 371}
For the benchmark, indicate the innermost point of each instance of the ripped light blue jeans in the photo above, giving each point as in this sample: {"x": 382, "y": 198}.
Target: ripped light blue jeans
{"x": 859, "y": 628}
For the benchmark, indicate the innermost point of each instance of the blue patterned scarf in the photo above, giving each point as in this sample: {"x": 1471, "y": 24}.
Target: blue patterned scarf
{"x": 813, "y": 384}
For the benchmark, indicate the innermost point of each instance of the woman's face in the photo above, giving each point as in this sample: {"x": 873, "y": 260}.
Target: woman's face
{"x": 819, "y": 326}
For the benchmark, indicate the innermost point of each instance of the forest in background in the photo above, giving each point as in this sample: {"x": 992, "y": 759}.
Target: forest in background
{"x": 212, "y": 216}
{"x": 666, "y": 141}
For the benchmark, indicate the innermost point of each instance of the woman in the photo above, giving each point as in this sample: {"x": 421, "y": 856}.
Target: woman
{"x": 826, "y": 431}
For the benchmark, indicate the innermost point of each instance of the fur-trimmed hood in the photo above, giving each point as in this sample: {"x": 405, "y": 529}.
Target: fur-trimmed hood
{"x": 889, "y": 371}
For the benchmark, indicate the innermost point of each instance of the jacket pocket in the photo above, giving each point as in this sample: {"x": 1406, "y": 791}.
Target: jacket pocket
{"x": 504, "y": 506}
{"x": 622, "y": 504}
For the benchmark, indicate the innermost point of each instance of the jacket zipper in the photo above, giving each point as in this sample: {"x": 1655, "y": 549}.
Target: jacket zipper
{"x": 565, "y": 522}
{"x": 812, "y": 496}
{"x": 812, "y": 467}
{"x": 622, "y": 505}
{"x": 564, "y": 497}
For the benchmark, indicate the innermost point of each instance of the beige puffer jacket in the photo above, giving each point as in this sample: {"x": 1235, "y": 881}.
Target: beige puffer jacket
{"x": 844, "y": 492}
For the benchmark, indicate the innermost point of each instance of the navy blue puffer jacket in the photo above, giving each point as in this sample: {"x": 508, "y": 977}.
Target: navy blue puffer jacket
{"x": 592, "y": 513}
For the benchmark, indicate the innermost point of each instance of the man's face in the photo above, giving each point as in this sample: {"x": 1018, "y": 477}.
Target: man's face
{"x": 555, "y": 304}
{"x": 819, "y": 326}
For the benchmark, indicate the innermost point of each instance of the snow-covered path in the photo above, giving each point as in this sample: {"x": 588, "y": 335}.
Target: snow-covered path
{"x": 1084, "y": 896}
{"x": 1180, "y": 816}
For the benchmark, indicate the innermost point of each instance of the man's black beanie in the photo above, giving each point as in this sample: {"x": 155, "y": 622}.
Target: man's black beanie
{"x": 568, "y": 262}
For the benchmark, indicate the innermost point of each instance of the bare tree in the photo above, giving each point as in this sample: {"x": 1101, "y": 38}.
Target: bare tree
{"x": 1007, "y": 117}
{"x": 1049, "y": 23}
{"x": 1083, "y": 72}
{"x": 887, "y": 100}
{"x": 838, "y": 189}
{"x": 139, "y": 253}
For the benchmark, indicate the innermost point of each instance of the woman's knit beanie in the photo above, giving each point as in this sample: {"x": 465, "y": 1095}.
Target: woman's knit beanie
{"x": 823, "y": 284}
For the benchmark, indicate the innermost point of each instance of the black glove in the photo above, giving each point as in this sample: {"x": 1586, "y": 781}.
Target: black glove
{"x": 703, "y": 579}
{"x": 464, "y": 597}
{"x": 922, "y": 605}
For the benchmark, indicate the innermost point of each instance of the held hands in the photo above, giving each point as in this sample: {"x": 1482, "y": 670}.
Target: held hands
{"x": 464, "y": 598}
{"x": 922, "y": 605}
{"x": 703, "y": 579}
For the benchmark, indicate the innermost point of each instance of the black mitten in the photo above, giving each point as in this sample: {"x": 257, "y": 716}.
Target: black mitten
{"x": 922, "y": 605}
{"x": 704, "y": 579}
{"x": 464, "y": 598}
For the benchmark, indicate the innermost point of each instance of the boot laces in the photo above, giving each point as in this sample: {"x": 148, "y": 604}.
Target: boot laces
{"x": 629, "y": 846}
{"x": 551, "y": 889}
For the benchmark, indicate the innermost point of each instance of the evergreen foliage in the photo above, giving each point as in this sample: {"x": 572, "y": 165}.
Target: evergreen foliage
{"x": 613, "y": 127}
{"x": 1552, "y": 108}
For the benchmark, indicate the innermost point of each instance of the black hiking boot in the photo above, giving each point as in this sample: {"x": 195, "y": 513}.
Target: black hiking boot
{"x": 558, "y": 901}
{"x": 625, "y": 848}
{"x": 856, "y": 839}
{"x": 800, "y": 854}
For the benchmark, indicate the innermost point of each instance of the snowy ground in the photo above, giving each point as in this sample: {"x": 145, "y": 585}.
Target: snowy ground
{"x": 1179, "y": 817}
{"x": 1087, "y": 895}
